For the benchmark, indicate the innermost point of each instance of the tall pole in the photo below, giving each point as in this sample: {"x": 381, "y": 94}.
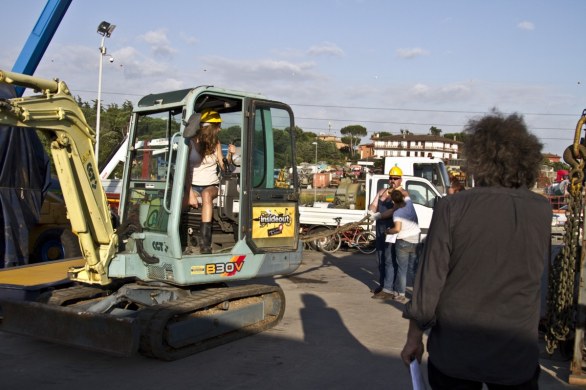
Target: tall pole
{"x": 99, "y": 102}
{"x": 314, "y": 181}
{"x": 105, "y": 30}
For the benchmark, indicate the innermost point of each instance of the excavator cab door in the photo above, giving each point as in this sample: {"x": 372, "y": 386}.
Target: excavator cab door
{"x": 151, "y": 156}
{"x": 269, "y": 211}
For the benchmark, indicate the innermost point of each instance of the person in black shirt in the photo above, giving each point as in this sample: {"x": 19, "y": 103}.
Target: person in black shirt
{"x": 478, "y": 284}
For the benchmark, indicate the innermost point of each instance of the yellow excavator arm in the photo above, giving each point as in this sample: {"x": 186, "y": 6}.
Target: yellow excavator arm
{"x": 52, "y": 109}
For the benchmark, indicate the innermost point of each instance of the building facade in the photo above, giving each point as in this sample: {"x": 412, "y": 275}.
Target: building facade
{"x": 416, "y": 145}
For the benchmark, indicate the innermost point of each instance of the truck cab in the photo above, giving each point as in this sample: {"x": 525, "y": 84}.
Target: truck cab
{"x": 430, "y": 168}
{"x": 358, "y": 196}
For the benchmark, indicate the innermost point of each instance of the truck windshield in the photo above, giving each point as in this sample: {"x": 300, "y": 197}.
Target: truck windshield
{"x": 437, "y": 175}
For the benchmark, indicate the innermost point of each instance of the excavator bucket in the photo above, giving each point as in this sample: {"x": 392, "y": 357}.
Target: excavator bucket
{"x": 94, "y": 331}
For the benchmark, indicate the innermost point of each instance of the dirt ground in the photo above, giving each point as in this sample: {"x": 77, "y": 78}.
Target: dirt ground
{"x": 333, "y": 336}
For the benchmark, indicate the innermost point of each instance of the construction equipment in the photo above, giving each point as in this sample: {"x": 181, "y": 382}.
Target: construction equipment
{"x": 33, "y": 221}
{"x": 137, "y": 289}
{"x": 566, "y": 295}
{"x": 51, "y": 237}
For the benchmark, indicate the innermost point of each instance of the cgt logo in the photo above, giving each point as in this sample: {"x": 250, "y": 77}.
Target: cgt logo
{"x": 160, "y": 246}
{"x": 230, "y": 268}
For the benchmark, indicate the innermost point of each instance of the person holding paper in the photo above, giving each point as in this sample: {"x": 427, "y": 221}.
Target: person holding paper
{"x": 381, "y": 210}
{"x": 406, "y": 227}
{"x": 477, "y": 288}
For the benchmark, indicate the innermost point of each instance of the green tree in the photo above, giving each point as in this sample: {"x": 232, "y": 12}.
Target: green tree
{"x": 461, "y": 137}
{"x": 435, "y": 131}
{"x": 114, "y": 123}
{"x": 231, "y": 135}
{"x": 355, "y": 132}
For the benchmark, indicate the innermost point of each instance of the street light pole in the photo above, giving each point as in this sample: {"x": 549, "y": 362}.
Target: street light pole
{"x": 105, "y": 30}
{"x": 314, "y": 186}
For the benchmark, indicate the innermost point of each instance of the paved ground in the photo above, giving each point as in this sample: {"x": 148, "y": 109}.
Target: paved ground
{"x": 333, "y": 336}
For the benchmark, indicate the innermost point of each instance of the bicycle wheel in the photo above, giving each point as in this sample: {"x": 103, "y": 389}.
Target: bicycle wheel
{"x": 317, "y": 231}
{"x": 328, "y": 243}
{"x": 366, "y": 242}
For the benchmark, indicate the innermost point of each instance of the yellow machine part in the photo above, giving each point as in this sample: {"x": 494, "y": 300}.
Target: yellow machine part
{"x": 45, "y": 273}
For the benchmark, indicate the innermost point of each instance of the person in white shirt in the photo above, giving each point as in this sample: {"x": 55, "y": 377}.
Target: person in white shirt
{"x": 406, "y": 227}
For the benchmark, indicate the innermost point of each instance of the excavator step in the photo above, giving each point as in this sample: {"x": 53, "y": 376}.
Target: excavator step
{"x": 168, "y": 331}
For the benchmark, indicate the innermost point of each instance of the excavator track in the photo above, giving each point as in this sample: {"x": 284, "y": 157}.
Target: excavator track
{"x": 66, "y": 296}
{"x": 167, "y": 331}
{"x": 208, "y": 318}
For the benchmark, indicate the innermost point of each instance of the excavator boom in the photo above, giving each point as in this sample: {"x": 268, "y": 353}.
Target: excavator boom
{"x": 55, "y": 110}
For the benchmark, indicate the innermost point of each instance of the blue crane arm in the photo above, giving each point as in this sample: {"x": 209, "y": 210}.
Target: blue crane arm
{"x": 40, "y": 37}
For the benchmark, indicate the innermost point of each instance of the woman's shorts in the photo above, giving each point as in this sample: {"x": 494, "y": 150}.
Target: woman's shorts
{"x": 200, "y": 189}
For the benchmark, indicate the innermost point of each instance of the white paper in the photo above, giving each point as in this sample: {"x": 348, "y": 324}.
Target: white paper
{"x": 416, "y": 377}
{"x": 391, "y": 238}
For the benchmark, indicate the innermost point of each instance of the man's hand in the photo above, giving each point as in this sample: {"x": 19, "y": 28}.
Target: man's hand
{"x": 413, "y": 348}
{"x": 412, "y": 351}
{"x": 373, "y": 215}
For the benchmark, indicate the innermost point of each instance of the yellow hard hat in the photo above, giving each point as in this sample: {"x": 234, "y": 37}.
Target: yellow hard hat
{"x": 395, "y": 171}
{"x": 210, "y": 116}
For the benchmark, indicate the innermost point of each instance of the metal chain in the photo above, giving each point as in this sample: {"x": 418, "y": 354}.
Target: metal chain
{"x": 562, "y": 276}
{"x": 561, "y": 305}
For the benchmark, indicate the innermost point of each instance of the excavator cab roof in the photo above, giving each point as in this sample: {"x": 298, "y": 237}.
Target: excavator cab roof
{"x": 221, "y": 104}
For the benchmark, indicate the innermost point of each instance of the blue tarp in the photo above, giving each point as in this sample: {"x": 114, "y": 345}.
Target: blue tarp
{"x": 24, "y": 179}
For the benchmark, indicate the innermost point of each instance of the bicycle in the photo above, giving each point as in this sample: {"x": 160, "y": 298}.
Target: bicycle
{"x": 355, "y": 237}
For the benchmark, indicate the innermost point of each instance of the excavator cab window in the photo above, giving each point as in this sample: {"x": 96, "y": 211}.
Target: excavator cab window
{"x": 151, "y": 167}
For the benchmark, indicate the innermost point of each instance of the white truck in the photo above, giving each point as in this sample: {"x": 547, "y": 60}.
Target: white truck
{"x": 352, "y": 200}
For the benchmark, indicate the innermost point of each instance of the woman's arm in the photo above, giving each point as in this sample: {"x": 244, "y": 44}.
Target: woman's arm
{"x": 220, "y": 156}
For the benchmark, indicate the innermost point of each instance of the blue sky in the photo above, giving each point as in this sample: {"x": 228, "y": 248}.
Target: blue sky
{"x": 384, "y": 64}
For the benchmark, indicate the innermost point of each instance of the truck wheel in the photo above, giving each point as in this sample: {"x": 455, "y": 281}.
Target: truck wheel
{"x": 366, "y": 242}
{"x": 55, "y": 244}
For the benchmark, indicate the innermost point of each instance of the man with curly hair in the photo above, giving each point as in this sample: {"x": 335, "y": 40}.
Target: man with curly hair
{"x": 477, "y": 289}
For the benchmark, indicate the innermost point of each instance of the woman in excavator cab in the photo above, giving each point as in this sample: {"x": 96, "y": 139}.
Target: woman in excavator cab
{"x": 205, "y": 158}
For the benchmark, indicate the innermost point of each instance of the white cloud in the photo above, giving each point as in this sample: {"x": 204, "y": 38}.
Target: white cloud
{"x": 420, "y": 89}
{"x": 266, "y": 69}
{"x": 412, "y": 52}
{"x": 158, "y": 42}
{"x": 526, "y": 25}
{"x": 326, "y": 49}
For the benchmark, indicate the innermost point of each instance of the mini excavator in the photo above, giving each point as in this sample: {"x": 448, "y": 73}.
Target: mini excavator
{"x": 138, "y": 288}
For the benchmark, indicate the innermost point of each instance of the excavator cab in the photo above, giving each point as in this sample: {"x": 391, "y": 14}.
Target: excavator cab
{"x": 253, "y": 216}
